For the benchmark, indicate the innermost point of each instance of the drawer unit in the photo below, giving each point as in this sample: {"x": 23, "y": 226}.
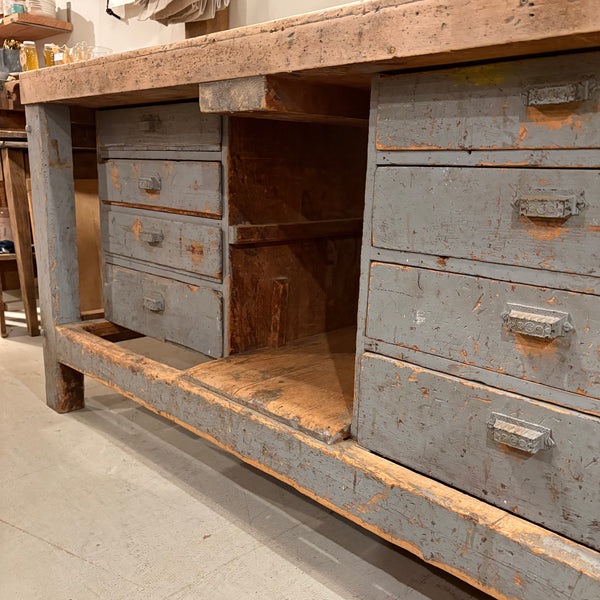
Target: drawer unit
{"x": 543, "y": 103}
{"x": 190, "y": 315}
{"x": 173, "y": 241}
{"x": 160, "y": 127}
{"x": 188, "y": 187}
{"x": 537, "y": 334}
{"x": 537, "y": 460}
{"x": 537, "y": 218}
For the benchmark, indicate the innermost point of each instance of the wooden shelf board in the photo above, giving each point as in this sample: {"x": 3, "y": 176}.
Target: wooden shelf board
{"x": 307, "y": 384}
{"x": 27, "y": 26}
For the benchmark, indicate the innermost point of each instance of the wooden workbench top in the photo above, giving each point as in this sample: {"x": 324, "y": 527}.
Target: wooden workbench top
{"x": 341, "y": 45}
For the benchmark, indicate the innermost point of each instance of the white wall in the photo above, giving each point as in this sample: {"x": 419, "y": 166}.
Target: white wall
{"x": 92, "y": 25}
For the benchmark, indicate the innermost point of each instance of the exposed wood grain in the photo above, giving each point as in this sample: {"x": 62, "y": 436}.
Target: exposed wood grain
{"x": 306, "y": 384}
{"x": 87, "y": 213}
{"x": 323, "y": 286}
{"x": 315, "y": 172}
{"x": 13, "y": 167}
{"x": 281, "y": 232}
{"x": 279, "y": 312}
{"x": 111, "y": 332}
{"x": 29, "y": 26}
{"x": 449, "y": 529}
{"x": 285, "y": 97}
{"x": 340, "y": 45}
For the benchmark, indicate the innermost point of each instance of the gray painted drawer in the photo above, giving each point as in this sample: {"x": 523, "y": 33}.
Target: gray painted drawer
{"x": 488, "y": 215}
{"x": 476, "y": 321}
{"x": 181, "y": 186}
{"x": 189, "y": 315}
{"x": 444, "y": 427}
{"x": 180, "y": 243}
{"x": 160, "y": 127}
{"x": 537, "y": 103}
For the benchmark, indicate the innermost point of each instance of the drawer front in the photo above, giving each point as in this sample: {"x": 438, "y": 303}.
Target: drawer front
{"x": 177, "y": 243}
{"x": 538, "y": 218}
{"x": 188, "y": 187}
{"x": 160, "y": 127}
{"x": 537, "y": 334}
{"x": 162, "y": 308}
{"x": 531, "y": 458}
{"x": 540, "y": 103}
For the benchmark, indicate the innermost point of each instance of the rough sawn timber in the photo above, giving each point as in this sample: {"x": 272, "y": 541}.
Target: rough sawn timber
{"x": 493, "y": 550}
{"x": 342, "y": 45}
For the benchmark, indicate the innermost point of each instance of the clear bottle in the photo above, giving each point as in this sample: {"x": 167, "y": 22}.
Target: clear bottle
{"x": 29, "y": 58}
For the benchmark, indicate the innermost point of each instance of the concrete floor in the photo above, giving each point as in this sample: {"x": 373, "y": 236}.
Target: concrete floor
{"x": 114, "y": 502}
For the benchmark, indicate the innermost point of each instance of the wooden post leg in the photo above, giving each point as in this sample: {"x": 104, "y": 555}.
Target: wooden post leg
{"x": 13, "y": 166}
{"x": 53, "y": 197}
{"x": 3, "y": 332}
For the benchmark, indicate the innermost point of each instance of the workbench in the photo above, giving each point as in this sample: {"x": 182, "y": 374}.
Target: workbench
{"x": 422, "y": 358}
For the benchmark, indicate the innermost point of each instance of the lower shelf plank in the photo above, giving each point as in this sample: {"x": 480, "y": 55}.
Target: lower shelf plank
{"x": 495, "y": 551}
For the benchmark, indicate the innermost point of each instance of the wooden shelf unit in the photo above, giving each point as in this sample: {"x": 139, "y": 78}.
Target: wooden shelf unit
{"x": 28, "y": 26}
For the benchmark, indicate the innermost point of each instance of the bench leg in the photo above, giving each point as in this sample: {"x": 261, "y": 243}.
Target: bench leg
{"x": 64, "y": 386}
{"x": 53, "y": 198}
{"x": 3, "y": 332}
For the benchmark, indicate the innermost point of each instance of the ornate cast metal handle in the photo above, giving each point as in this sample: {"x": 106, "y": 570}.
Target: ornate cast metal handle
{"x": 549, "y": 204}
{"x": 537, "y": 322}
{"x": 558, "y": 94}
{"x": 524, "y": 436}
{"x": 154, "y": 303}
{"x": 151, "y": 183}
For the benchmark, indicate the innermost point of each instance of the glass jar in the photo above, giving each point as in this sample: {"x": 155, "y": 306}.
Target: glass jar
{"x": 29, "y": 58}
{"x": 12, "y": 7}
{"x": 49, "y": 54}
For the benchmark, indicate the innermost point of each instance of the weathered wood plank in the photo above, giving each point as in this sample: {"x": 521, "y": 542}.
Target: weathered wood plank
{"x": 190, "y": 315}
{"x": 307, "y": 384}
{"x": 13, "y": 168}
{"x": 475, "y": 213}
{"x": 161, "y": 127}
{"x": 438, "y": 425}
{"x": 192, "y": 188}
{"x": 280, "y": 97}
{"x": 339, "y": 45}
{"x": 181, "y": 243}
{"x": 537, "y": 103}
{"x": 53, "y": 195}
{"x": 110, "y": 332}
{"x": 3, "y": 331}
{"x": 491, "y": 549}
{"x": 282, "y": 232}
{"x": 463, "y": 318}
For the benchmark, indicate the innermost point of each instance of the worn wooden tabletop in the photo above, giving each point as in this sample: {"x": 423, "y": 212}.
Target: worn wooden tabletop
{"x": 342, "y": 45}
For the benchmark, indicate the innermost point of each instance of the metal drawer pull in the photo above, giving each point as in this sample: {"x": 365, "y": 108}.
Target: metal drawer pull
{"x": 154, "y": 303}
{"x": 558, "y": 205}
{"x": 151, "y": 183}
{"x": 558, "y": 94}
{"x": 152, "y": 237}
{"x": 537, "y": 322}
{"x": 528, "y": 437}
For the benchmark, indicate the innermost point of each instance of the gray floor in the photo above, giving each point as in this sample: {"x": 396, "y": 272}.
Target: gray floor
{"x": 114, "y": 502}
